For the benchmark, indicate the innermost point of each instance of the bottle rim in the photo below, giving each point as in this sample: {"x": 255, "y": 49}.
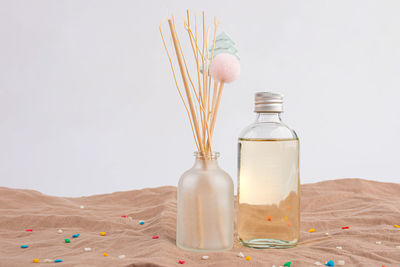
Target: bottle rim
{"x": 206, "y": 155}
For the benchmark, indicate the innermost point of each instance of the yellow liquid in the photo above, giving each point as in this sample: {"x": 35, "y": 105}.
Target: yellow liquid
{"x": 268, "y": 193}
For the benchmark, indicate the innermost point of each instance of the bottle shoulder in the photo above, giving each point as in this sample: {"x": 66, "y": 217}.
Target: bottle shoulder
{"x": 268, "y": 131}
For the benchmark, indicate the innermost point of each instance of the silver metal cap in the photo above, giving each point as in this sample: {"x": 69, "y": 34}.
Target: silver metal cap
{"x": 266, "y": 102}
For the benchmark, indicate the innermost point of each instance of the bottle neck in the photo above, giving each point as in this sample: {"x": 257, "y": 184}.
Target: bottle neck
{"x": 268, "y": 117}
{"x": 205, "y": 161}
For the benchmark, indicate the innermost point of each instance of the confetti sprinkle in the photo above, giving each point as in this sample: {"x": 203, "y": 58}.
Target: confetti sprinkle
{"x": 81, "y": 206}
{"x": 269, "y": 218}
{"x": 48, "y": 260}
{"x": 248, "y": 258}
{"x": 384, "y": 266}
{"x": 241, "y": 255}
{"x": 35, "y": 260}
{"x": 67, "y": 240}
{"x": 102, "y": 233}
{"x": 287, "y": 264}
{"x": 339, "y": 247}
{"x": 29, "y": 230}
{"x": 204, "y": 257}
{"x": 24, "y": 246}
{"x": 345, "y": 227}
{"x": 326, "y": 233}
{"x": 284, "y": 218}
{"x": 105, "y": 254}
{"x": 58, "y": 260}
{"x": 396, "y": 226}
{"x": 312, "y": 230}
{"x": 318, "y": 263}
{"x": 60, "y": 231}
{"x": 121, "y": 256}
{"x": 330, "y": 263}
{"x": 76, "y": 235}
{"x": 288, "y": 224}
{"x": 141, "y": 222}
{"x": 88, "y": 249}
{"x": 155, "y": 237}
{"x": 123, "y": 216}
{"x": 378, "y": 242}
{"x": 398, "y": 247}
{"x": 340, "y": 262}
{"x": 181, "y": 262}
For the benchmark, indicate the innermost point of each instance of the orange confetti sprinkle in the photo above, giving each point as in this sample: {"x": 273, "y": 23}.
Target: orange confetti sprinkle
{"x": 288, "y": 224}
{"x": 105, "y": 254}
{"x": 311, "y": 230}
{"x": 396, "y": 226}
{"x": 269, "y": 218}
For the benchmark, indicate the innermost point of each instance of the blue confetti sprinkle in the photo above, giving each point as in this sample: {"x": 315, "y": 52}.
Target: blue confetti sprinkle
{"x": 59, "y": 260}
{"x": 330, "y": 263}
{"x": 24, "y": 246}
{"x": 76, "y": 235}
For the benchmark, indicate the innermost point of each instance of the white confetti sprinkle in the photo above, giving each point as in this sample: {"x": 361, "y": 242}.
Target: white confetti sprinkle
{"x": 82, "y": 207}
{"x": 326, "y": 233}
{"x": 340, "y": 262}
{"x": 398, "y": 247}
{"x": 240, "y": 254}
{"x": 47, "y": 260}
{"x": 121, "y": 256}
{"x": 378, "y": 242}
{"x": 273, "y": 266}
{"x": 88, "y": 249}
{"x": 339, "y": 247}
{"x": 204, "y": 257}
{"x": 60, "y": 231}
{"x": 318, "y": 263}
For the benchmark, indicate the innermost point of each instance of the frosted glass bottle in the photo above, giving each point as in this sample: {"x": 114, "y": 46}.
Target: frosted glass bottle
{"x": 268, "y": 178}
{"x": 205, "y": 210}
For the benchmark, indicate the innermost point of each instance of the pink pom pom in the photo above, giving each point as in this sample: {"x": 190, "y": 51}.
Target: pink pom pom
{"x": 225, "y": 68}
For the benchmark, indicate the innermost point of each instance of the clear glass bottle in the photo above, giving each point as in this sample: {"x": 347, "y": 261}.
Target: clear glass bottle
{"x": 205, "y": 207}
{"x": 268, "y": 178}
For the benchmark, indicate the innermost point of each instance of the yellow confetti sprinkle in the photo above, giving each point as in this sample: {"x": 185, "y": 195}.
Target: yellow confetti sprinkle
{"x": 35, "y": 260}
{"x": 105, "y": 254}
{"x": 248, "y": 258}
{"x": 311, "y": 230}
{"x": 284, "y": 218}
{"x": 102, "y": 233}
{"x": 396, "y": 226}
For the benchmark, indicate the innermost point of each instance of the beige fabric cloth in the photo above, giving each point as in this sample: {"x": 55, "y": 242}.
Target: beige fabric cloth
{"x": 369, "y": 208}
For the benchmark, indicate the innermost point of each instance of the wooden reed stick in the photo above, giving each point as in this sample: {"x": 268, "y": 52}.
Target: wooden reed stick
{"x": 200, "y": 227}
{"x": 180, "y": 93}
{"x": 185, "y": 83}
{"x": 215, "y": 111}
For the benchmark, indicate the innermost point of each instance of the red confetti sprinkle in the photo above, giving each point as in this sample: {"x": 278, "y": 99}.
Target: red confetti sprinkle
{"x": 345, "y": 227}
{"x": 123, "y": 216}
{"x": 181, "y": 262}
{"x": 155, "y": 237}
{"x": 29, "y": 230}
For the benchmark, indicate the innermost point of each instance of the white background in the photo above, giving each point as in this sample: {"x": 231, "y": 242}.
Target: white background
{"x": 88, "y": 104}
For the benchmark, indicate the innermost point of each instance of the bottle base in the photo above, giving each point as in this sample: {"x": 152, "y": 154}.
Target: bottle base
{"x": 268, "y": 243}
{"x": 199, "y": 250}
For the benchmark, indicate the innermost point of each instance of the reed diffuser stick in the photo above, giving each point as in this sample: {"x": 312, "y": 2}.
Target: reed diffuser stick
{"x": 185, "y": 83}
